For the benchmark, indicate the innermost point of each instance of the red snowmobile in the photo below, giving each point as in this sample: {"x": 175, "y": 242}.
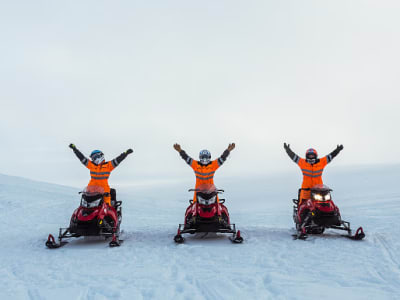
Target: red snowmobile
{"x": 92, "y": 218}
{"x": 319, "y": 212}
{"x": 207, "y": 214}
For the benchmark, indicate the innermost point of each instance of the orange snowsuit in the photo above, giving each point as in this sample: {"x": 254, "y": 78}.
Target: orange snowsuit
{"x": 204, "y": 173}
{"x": 312, "y": 175}
{"x": 99, "y": 174}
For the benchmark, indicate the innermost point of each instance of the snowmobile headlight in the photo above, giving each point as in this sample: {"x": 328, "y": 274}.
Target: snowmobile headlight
{"x": 327, "y": 197}
{"x": 207, "y": 201}
{"x": 318, "y": 197}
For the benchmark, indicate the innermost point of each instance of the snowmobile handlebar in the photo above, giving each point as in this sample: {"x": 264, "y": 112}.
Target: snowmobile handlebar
{"x": 104, "y": 194}
{"x": 198, "y": 190}
{"x": 221, "y": 201}
{"x": 310, "y": 189}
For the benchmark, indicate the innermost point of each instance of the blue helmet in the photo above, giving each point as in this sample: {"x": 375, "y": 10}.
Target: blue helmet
{"x": 204, "y": 157}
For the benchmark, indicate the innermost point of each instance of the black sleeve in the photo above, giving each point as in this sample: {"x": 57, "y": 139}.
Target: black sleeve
{"x": 223, "y": 157}
{"x": 332, "y": 155}
{"x": 293, "y": 155}
{"x": 81, "y": 157}
{"x": 116, "y": 161}
{"x": 186, "y": 157}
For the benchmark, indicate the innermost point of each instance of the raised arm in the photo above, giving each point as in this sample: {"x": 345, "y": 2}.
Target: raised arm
{"x": 183, "y": 154}
{"x": 116, "y": 161}
{"x": 335, "y": 152}
{"x": 291, "y": 154}
{"x": 225, "y": 154}
{"x": 79, "y": 155}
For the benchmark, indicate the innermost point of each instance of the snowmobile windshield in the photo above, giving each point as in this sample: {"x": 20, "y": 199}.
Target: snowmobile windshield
{"x": 92, "y": 196}
{"x": 206, "y": 194}
{"x": 92, "y": 190}
{"x": 206, "y": 189}
{"x": 91, "y": 202}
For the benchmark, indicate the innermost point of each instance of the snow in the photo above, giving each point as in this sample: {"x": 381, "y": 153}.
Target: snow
{"x": 149, "y": 265}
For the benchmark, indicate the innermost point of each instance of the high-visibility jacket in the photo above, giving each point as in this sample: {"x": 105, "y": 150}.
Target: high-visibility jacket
{"x": 204, "y": 173}
{"x": 99, "y": 174}
{"x": 312, "y": 175}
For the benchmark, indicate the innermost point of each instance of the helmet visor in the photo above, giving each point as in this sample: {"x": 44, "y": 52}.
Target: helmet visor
{"x": 96, "y": 156}
{"x": 311, "y": 156}
{"x": 205, "y": 156}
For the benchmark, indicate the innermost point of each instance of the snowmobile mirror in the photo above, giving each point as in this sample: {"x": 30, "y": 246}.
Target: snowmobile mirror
{"x": 191, "y": 201}
{"x": 222, "y": 201}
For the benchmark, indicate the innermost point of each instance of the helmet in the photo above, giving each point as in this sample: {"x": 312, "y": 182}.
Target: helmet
{"x": 97, "y": 157}
{"x": 311, "y": 155}
{"x": 205, "y": 157}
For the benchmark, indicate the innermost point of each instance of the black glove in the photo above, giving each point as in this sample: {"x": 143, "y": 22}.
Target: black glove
{"x": 336, "y": 151}
{"x": 72, "y": 146}
{"x": 129, "y": 151}
{"x": 286, "y": 146}
{"x": 289, "y": 151}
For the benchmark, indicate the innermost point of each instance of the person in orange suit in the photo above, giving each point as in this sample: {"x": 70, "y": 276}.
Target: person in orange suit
{"x": 204, "y": 168}
{"x": 312, "y": 168}
{"x": 100, "y": 170}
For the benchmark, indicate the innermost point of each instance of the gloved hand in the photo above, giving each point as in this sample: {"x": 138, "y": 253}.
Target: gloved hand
{"x": 129, "y": 151}
{"x": 339, "y": 148}
{"x": 177, "y": 147}
{"x": 231, "y": 147}
{"x": 286, "y": 146}
{"x": 72, "y": 146}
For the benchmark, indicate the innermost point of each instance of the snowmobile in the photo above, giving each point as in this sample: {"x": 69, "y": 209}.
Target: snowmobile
{"x": 207, "y": 214}
{"x": 93, "y": 217}
{"x": 318, "y": 213}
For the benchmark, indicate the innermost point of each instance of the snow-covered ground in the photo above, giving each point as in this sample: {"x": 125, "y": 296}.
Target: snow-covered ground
{"x": 149, "y": 265}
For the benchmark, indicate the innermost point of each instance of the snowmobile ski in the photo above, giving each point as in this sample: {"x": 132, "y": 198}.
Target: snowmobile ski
{"x": 52, "y": 244}
{"x": 207, "y": 214}
{"x": 236, "y": 238}
{"x": 358, "y": 236}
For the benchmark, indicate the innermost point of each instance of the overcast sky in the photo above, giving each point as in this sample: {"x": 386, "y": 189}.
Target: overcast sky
{"x": 111, "y": 75}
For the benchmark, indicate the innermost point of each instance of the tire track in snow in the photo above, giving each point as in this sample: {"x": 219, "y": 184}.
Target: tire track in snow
{"x": 391, "y": 259}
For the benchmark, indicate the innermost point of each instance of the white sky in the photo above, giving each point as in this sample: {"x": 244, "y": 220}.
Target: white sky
{"x": 111, "y": 75}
